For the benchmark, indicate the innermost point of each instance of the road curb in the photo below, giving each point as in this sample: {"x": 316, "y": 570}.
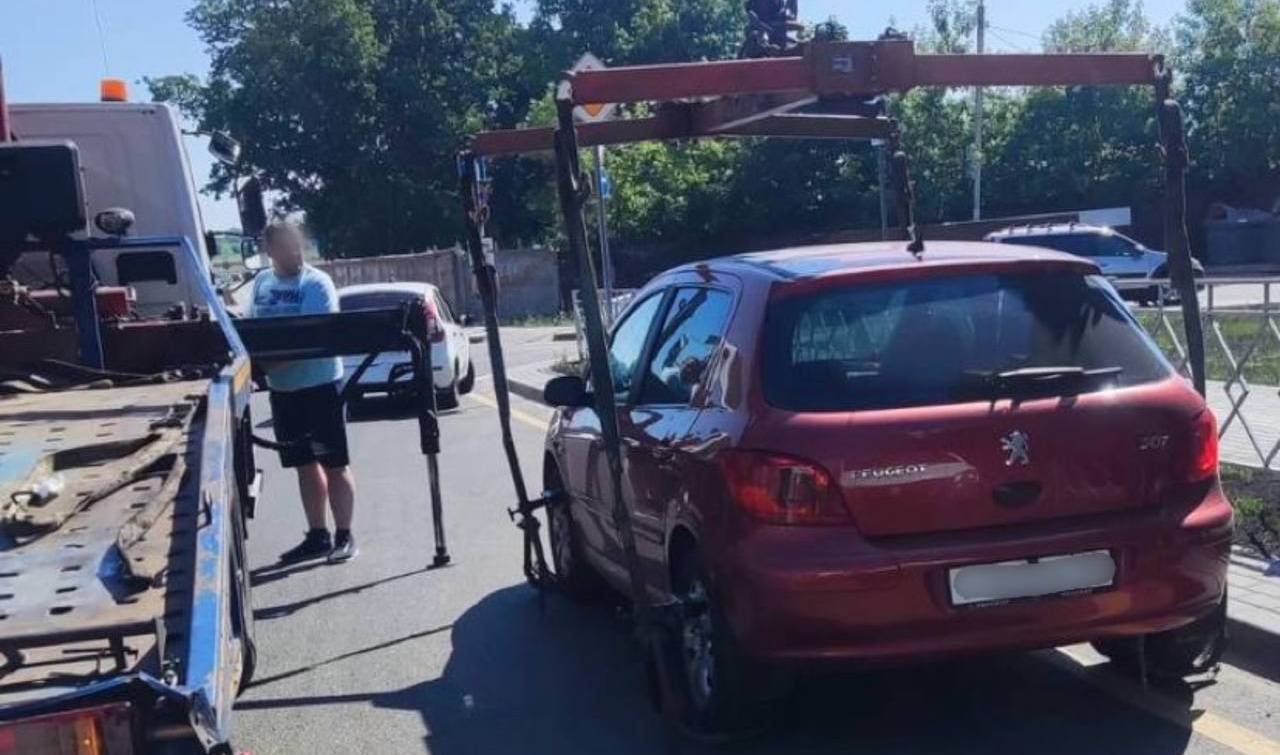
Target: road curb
{"x": 528, "y": 382}
{"x": 524, "y": 389}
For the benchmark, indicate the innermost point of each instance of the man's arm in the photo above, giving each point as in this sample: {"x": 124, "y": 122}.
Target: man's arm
{"x": 319, "y": 296}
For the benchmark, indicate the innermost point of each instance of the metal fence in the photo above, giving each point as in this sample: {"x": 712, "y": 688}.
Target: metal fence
{"x": 1242, "y": 350}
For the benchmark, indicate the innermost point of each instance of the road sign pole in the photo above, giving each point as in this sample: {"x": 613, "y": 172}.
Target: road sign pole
{"x": 602, "y": 217}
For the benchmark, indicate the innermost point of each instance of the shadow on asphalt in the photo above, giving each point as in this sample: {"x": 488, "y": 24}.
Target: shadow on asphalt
{"x": 570, "y": 679}
{"x": 263, "y": 681}
{"x": 275, "y": 572}
{"x": 1254, "y": 650}
{"x": 287, "y": 609}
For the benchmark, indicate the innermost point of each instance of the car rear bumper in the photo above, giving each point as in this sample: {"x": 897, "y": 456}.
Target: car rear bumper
{"x": 394, "y": 376}
{"x": 795, "y": 595}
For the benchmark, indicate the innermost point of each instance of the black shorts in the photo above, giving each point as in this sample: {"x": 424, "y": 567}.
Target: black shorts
{"x": 311, "y": 424}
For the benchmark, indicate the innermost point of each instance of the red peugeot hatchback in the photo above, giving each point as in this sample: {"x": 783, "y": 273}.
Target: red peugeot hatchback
{"x": 850, "y": 454}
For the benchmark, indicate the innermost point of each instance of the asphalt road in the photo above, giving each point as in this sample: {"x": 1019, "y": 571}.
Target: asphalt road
{"x": 381, "y": 656}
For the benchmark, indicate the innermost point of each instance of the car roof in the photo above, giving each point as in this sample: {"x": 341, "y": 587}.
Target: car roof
{"x": 817, "y": 261}
{"x": 408, "y": 287}
{"x": 1053, "y": 229}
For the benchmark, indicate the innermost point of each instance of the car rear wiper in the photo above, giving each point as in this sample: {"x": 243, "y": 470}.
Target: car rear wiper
{"x": 1033, "y": 378}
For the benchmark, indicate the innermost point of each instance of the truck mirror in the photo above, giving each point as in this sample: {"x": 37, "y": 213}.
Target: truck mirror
{"x": 224, "y": 149}
{"x": 253, "y": 208}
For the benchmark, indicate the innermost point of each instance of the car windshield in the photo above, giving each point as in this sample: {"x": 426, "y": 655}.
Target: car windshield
{"x": 375, "y": 300}
{"x": 953, "y": 339}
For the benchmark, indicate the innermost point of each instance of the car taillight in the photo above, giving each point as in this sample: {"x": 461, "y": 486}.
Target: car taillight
{"x": 95, "y": 731}
{"x": 783, "y": 489}
{"x": 1204, "y": 447}
{"x": 434, "y": 328}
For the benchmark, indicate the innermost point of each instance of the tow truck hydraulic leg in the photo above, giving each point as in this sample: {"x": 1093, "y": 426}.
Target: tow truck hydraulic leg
{"x": 474, "y": 214}
{"x": 429, "y": 439}
{"x": 1173, "y": 147}
{"x": 655, "y": 634}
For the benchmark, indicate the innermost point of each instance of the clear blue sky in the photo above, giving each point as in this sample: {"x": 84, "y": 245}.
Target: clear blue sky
{"x": 52, "y": 50}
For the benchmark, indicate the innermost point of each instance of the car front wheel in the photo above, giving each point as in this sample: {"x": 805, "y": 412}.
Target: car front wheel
{"x": 573, "y": 574}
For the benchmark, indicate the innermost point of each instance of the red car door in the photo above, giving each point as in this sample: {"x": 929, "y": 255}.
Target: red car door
{"x": 655, "y": 427}
{"x": 585, "y": 466}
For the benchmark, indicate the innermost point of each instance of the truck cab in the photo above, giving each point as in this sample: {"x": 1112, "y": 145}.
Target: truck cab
{"x": 131, "y": 156}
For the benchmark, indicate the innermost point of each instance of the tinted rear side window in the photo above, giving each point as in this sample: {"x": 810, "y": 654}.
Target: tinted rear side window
{"x": 1079, "y": 244}
{"x": 377, "y": 300}
{"x": 940, "y": 340}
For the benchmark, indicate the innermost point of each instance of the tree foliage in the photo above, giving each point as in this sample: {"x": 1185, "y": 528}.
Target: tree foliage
{"x": 353, "y": 109}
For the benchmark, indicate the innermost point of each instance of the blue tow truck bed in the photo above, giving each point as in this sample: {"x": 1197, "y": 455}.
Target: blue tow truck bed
{"x": 124, "y": 493}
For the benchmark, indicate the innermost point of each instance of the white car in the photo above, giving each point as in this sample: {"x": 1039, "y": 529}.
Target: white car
{"x": 1134, "y": 270}
{"x": 391, "y": 372}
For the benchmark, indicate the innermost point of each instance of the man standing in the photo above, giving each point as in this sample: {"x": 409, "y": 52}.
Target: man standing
{"x": 306, "y": 404}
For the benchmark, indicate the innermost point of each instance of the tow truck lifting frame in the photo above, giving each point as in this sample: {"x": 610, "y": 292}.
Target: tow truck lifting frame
{"x": 830, "y": 90}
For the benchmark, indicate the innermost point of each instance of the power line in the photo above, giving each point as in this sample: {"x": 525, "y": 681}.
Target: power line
{"x": 1005, "y": 40}
{"x": 102, "y": 37}
{"x": 1007, "y": 30}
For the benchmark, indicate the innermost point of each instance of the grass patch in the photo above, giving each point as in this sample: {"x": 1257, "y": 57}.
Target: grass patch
{"x": 1240, "y": 332}
{"x": 1256, "y": 497}
{"x": 539, "y": 321}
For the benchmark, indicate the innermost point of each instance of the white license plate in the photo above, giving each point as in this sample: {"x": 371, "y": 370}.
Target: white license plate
{"x": 1015, "y": 580}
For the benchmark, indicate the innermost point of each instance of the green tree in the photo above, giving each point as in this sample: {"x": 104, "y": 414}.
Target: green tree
{"x": 1115, "y": 26}
{"x": 1067, "y": 148}
{"x": 353, "y": 109}
{"x": 1229, "y": 55}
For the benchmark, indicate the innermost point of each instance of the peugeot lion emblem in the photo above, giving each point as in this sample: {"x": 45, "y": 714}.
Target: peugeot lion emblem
{"x": 1018, "y": 446}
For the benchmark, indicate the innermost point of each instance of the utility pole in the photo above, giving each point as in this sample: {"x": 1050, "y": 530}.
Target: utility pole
{"x": 882, "y": 170}
{"x": 602, "y": 216}
{"x": 978, "y": 116}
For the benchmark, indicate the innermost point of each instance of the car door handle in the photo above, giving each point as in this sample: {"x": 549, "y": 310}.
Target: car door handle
{"x": 664, "y": 452}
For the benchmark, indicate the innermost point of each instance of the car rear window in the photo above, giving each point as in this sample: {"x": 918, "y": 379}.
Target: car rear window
{"x": 375, "y": 300}
{"x": 947, "y": 339}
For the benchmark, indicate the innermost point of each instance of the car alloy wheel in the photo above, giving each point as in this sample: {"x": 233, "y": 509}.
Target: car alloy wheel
{"x": 562, "y": 555}
{"x": 699, "y": 646}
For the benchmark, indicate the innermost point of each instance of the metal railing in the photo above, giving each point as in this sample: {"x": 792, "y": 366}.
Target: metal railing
{"x": 610, "y": 309}
{"x": 1242, "y": 345}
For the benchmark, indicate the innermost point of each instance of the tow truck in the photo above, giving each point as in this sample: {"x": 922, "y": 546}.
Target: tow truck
{"x": 126, "y": 463}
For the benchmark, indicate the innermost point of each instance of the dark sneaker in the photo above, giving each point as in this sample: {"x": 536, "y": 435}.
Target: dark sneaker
{"x": 317, "y": 543}
{"x": 344, "y": 548}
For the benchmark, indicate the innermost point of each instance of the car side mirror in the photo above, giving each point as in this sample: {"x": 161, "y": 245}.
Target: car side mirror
{"x": 466, "y": 321}
{"x": 566, "y": 392}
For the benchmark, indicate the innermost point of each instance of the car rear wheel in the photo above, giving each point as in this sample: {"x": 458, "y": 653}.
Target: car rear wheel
{"x": 468, "y": 380}
{"x": 721, "y": 686}
{"x": 1178, "y": 653}
{"x": 447, "y": 398}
